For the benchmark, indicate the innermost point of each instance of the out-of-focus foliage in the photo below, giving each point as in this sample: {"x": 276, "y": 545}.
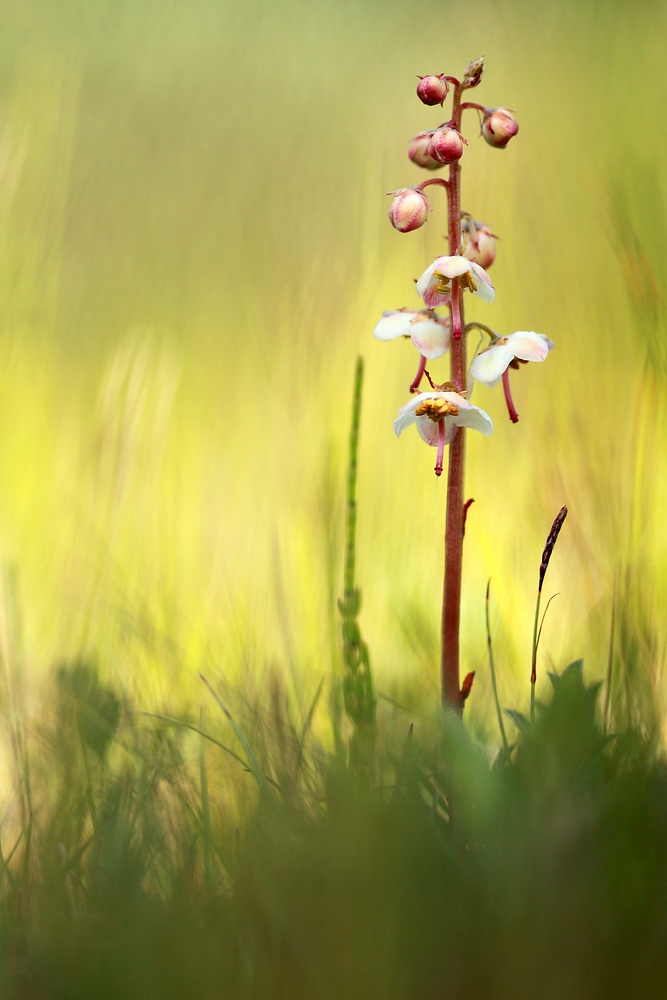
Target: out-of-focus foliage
{"x": 167, "y": 869}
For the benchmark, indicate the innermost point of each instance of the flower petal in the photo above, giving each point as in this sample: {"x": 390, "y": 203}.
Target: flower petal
{"x": 452, "y": 267}
{"x": 485, "y": 289}
{"x": 488, "y": 366}
{"x": 426, "y": 287}
{"x": 475, "y": 419}
{"x": 394, "y": 323}
{"x": 430, "y": 335}
{"x": 406, "y": 414}
{"x": 529, "y": 346}
{"x": 428, "y": 430}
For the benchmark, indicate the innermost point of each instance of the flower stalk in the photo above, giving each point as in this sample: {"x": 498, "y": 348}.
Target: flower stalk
{"x": 443, "y": 415}
{"x": 451, "y": 596}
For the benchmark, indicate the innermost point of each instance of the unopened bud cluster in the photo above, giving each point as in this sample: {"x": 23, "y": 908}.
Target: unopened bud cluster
{"x": 444, "y": 145}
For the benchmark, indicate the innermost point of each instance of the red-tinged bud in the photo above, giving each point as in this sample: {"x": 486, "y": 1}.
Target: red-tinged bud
{"x": 432, "y": 89}
{"x": 499, "y": 126}
{"x": 409, "y": 210}
{"x": 419, "y": 154}
{"x": 480, "y": 244}
{"x": 446, "y": 145}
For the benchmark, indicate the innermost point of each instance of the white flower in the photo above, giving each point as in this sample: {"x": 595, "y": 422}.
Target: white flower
{"x": 427, "y": 409}
{"x": 490, "y": 365}
{"x": 427, "y": 331}
{"x": 435, "y": 284}
{"x": 437, "y": 415}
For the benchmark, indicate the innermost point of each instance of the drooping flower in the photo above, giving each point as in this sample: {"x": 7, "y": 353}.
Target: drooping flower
{"x": 493, "y": 364}
{"x": 480, "y": 243}
{"x": 499, "y": 126}
{"x": 435, "y": 284}
{"x": 409, "y": 209}
{"x": 427, "y": 331}
{"x": 438, "y": 414}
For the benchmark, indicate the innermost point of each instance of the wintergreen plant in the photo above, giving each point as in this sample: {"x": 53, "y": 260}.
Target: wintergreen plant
{"x": 443, "y": 413}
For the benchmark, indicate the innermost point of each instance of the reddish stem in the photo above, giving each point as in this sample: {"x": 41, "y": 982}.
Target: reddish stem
{"x": 511, "y": 409}
{"x": 433, "y": 180}
{"x": 414, "y": 385}
{"x": 471, "y": 104}
{"x": 454, "y": 522}
{"x": 441, "y": 446}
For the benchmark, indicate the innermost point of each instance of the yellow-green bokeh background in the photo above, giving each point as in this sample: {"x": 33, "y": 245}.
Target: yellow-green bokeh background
{"x": 193, "y": 249}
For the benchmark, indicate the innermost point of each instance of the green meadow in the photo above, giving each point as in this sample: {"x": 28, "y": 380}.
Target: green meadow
{"x": 194, "y": 249}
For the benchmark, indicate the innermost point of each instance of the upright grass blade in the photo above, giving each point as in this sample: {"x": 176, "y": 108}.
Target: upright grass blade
{"x": 89, "y": 784}
{"x": 306, "y": 727}
{"x": 243, "y": 740}
{"x": 358, "y": 693}
{"x": 501, "y": 724}
{"x": 350, "y": 546}
{"x": 552, "y": 538}
{"x": 610, "y": 662}
{"x": 205, "y": 807}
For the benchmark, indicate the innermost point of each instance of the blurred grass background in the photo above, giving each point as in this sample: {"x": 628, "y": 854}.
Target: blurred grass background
{"x": 193, "y": 249}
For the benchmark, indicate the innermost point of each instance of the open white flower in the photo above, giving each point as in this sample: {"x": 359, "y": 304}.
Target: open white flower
{"x": 524, "y": 345}
{"x": 427, "y": 331}
{"x": 435, "y": 284}
{"x": 437, "y": 415}
{"x": 493, "y": 364}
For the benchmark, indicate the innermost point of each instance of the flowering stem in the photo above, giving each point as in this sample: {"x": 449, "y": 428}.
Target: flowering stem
{"x": 414, "y": 385}
{"x": 433, "y": 180}
{"x": 441, "y": 447}
{"x": 451, "y": 598}
{"x": 514, "y": 416}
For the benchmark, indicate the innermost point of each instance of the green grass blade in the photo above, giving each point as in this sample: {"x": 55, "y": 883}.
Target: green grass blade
{"x": 243, "y": 740}
{"x": 205, "y": 808}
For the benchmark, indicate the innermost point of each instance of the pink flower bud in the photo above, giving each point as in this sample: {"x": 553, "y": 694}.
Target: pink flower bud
{"x": 499, "y": 126}
{"x": 419, "y": 154}
{"x": 432, "y": 89}
{"x": 481, "y": 247}
{"x": 409, "y": 210}
{"x": 446, "y": 145}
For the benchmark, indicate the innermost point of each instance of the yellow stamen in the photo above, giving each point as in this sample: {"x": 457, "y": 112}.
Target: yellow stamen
{"x": 466, "y": 280}
{"x": 443, "y": 285}
{"x": 436, "y": 409}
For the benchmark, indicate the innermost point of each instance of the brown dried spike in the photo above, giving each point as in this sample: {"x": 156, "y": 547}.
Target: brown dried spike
{"x": 551, "y": 542}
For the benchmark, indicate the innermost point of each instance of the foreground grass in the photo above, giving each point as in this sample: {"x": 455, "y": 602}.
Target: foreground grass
{"x": 152, "y": 862}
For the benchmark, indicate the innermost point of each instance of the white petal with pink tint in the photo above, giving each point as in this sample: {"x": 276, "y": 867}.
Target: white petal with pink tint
{"x": 430, "y": 335}
{"x": 468, "y": 416}
{"x": 428, "y": 331}
{"x": 488, "y": 366}
{"x": 450, "y": 268}
{"x": 394, "y": 323}
{"x": 428, "y": 430}
{"x": 475, "y": 419}
{"x": 529, "y": 346}
{"x": 485, "y": 289}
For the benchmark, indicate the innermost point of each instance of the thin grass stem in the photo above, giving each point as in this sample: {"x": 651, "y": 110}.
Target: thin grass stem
{"x": 492, "y": 667}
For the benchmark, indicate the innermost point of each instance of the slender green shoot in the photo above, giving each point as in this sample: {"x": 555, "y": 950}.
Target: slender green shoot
{"x": 243, "y": 740}
{"x": 358, "y": 693}
{"x": 610, "y": 662}
{"x": 350, "y": 547}
{"x": 205, "y": 807}
{"x": 492, "y": 668}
